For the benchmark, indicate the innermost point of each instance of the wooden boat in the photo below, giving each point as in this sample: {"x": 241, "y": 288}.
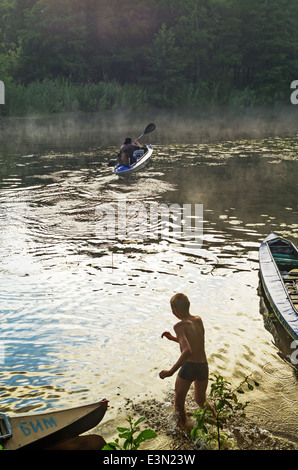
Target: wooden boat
{"x": 29, "y": 432}
{"x": 278, "y": 261}
{"x": 142, "y": 158}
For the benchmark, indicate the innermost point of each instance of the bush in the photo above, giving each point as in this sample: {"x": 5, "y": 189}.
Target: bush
{"x": 224, "y": 401}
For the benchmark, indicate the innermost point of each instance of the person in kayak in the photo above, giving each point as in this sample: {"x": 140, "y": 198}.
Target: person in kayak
{"x": 127, "y": 150}
{"x": 192, "y": 361}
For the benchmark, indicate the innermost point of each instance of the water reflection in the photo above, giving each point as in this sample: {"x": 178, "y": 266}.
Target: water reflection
{"x": 81, "y": 316}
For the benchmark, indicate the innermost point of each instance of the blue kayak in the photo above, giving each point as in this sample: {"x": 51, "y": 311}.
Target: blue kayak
{"x": 142, "y": 157}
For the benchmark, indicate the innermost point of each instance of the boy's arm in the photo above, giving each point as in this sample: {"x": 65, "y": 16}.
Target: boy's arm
{"x": 185, "y": 352}
{"x": 169, "y": 335}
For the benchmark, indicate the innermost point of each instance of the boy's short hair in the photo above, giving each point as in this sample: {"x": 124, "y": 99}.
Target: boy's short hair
{"x": 180, "y": 303}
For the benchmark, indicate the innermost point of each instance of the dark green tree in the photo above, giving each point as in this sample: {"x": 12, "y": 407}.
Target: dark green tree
{"x": 9, "y": 46}
{"x": 165, "y": 69}
{"x": 269, "y": 46}
{"x": 195, "y": 31}
{"x": 53, "y": 38}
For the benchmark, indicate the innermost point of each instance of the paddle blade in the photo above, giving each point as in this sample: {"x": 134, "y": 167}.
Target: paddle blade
{"x": 150, "y": 128}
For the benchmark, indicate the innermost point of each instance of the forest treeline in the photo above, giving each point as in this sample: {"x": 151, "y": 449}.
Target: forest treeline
{"x": 58, "y": 55}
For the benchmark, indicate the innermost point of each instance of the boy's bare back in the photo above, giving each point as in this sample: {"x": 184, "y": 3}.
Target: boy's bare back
{"x": 192, "y": 363}
{"x": 193, "y": 329}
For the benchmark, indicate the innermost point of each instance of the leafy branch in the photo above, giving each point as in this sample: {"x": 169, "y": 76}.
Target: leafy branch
{"x": 224, "y": 402}
{"x": 131, "y": 442}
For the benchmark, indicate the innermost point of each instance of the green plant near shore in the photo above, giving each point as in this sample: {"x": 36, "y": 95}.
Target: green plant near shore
{"x": 50, "y": 96}
{"x": 131, "y": 440}
{"x": 224, "y": 401}
{"x": 62, "y": 95}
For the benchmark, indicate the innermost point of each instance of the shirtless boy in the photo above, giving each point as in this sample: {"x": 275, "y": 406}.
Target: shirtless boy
{"x": 192, "y": 361}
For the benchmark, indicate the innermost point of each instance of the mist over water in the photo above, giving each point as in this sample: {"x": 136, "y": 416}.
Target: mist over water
{"x": 81, "y": 317}
{"x": 173, "y": 126}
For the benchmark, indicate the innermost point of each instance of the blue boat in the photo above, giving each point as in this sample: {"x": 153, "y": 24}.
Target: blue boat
{"x": 278, "y": 261}
{"x": 142, "y": 157}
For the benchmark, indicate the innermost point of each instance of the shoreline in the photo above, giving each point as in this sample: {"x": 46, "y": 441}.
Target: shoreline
{"x": 244, "y": 433}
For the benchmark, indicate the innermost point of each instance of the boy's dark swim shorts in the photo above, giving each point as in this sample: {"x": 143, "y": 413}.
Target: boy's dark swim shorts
{"x": 194, "y": 371}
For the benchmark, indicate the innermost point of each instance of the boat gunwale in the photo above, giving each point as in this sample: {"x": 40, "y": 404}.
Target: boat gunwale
{"x": 280, "y": 275}
{"x": 273, "y": 302}
{"x": 95, "y": 412}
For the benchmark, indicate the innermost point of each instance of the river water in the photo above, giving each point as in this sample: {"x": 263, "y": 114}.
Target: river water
{"x": 82, "y": 315}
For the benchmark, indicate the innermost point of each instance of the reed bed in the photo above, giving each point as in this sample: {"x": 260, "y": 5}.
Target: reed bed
{"x": 62, "y": 95}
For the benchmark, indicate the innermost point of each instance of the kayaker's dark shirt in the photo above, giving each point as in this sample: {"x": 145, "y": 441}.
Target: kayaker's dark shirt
{"x": 128, "y": 149}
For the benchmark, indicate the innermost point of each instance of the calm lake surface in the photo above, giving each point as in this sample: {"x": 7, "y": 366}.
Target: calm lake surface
{"x": 82, "y": 316}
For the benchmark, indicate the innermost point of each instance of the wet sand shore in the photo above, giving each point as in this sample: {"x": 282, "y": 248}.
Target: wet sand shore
{"x": 243, "y": 433}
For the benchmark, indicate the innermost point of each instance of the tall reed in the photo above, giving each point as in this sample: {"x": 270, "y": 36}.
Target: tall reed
{"x": 62, "y": 95}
